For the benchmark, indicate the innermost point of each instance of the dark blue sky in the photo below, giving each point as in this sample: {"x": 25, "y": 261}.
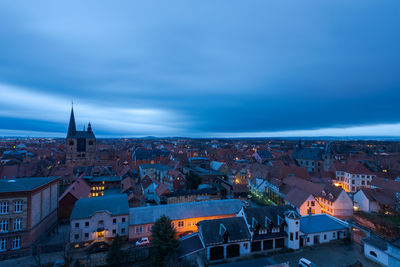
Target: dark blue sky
{"x": 201, "y": 68}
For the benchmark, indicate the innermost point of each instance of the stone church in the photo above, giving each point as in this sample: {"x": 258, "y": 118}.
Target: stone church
{"x": 81, "y": 145}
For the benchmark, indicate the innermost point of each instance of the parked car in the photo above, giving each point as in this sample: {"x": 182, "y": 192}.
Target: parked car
{"x": 142, "y": 242}
{"x": 306, "y": 263}
{"x": 247, "y": 204}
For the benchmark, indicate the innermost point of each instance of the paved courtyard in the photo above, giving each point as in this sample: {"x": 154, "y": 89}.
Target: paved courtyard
{"x": 330, "y": 255}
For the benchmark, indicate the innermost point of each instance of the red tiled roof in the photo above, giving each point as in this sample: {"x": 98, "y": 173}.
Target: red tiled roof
{"x": 79, "y": 189}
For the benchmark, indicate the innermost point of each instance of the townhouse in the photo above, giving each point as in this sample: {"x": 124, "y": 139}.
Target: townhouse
{"x": 99, "y": 219}
{"x": 353, "y": 175}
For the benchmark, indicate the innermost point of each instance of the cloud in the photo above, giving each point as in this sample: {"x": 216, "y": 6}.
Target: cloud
{"x": 179, "y": 68}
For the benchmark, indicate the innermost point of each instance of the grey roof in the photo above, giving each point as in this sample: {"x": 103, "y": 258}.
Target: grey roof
{"x": 272, "y": 212}
{"x": 94, "y": 179}
{"x": 158, "y": 166}
{"x": 320, "y": 223}
{"x": 264, "y": 154}
{"x": 144, "y": 215}
{"x": 24, "y": 184}
{"x": 150, "y": 154}
{"x": 190, "y": 244}
{"x": 308, "y": 153}
{"x": 376, "y": 241}
{"x": 212, "y": 231}
{"x": 114, "y": 204}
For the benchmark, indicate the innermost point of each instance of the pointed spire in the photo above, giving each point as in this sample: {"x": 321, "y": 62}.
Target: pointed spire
{"x": 89, "y": 127}
{"x": 72, "y": 125}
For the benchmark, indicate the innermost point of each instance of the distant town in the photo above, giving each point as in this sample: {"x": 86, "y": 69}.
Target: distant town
{"x": 83, "y": 201}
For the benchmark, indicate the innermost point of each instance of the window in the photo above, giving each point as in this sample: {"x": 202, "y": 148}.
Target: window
{"x": 114, "y": 231}
{"x": 3, "y": 226}
{"x": 17, "y": 224}
{"x": 86, "y": 235}
{"x": 90, "y": 143}
{"x": 18, "y": 206}
{"x": 4, "y": 207}
{"x": 291, "y": 236}
{"x": 334, "y": 235}
{"x": 71, "y": 143}
{"x": 373, "y": 253}
{"x": 76, "y": 236}
{"x": 101, "y": 223}
{"x": 3, "y": 244}
{"x": 297, "y": 235}
{"x": 86, "y": 224}
{"x": 114, "y": 221}
{"x": 16, "y": 242}
{"x": 76, "y": 225}
{"x": 139, "y": 229}
{"x": 123, "y": 219}
{"x": 181, "y": 224}
{"x": 308, "y": 239}
{"x": 312, "y": 203}
{"x": 246, "y": 245}
{"x": 123, "y": 230}
{"x": 324, "y": 237}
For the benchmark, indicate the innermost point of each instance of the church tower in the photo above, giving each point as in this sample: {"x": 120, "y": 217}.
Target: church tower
{"x": 81, "y": 145}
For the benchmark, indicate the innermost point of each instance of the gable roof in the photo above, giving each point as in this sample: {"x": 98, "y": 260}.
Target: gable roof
{"x": 115, "y": 204}
{"x": 146, "y": 215}
{"x": 260, "y": 214}
{"x": 235, "y": 228}
{"x": 297, "y": 196}
{"x": 79, "y": 189}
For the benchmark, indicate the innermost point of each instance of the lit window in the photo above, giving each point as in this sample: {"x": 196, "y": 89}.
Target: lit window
{"x": 18, "y": 206}
{"x": 17, "y": 224}
{"x": 16, "y": 242}
{"x": 4, "y": 207}
{"x": 181, "y": 223}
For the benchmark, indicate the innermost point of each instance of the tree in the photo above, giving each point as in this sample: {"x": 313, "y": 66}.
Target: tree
{"x": 164, "y": 243}
{"x": 194, "y": 180}
{"x": 115, "y": 253}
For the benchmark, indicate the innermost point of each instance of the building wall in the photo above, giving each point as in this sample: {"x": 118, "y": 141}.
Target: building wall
{"x": 94, "y": 224}
{"x": 316, "y": 209}
{"x": 293, "y": 231}
{"x": 394, "y": 255}
{"x": 189, "y": 225}
{"x": 36, "y": 218}
{"x": 352, "y": 182}
{"x": 361, "y": 201}
{"x": 330, "y": 235}
{"x": 381, "y": 256}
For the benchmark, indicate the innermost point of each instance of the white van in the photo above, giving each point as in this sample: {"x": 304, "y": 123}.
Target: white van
{"x": 306, "y": 263}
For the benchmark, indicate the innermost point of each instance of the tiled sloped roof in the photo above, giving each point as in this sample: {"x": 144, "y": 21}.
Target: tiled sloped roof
{"x": 235, "y": 227}
{"x": 260, "y": 214}
{"x": 79, "y": 189}
{"x": 297, "y": 196}
{"x": 144, "y": 215}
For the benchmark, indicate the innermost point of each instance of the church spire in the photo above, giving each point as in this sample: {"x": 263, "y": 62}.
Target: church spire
{"x": 72, "y": 125}
{"x": 89, "y": 127}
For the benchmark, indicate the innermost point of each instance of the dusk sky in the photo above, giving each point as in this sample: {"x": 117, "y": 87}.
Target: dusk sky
{"x": 201, "y": 68}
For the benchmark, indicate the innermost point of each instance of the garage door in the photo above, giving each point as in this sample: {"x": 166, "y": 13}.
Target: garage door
{"x": 216, "y": 253}
{"x": 233, "y": 251}
{"x": 255, "y": 246}
{"x": 279, "y": 242}
{"x": 268, "y": 244}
